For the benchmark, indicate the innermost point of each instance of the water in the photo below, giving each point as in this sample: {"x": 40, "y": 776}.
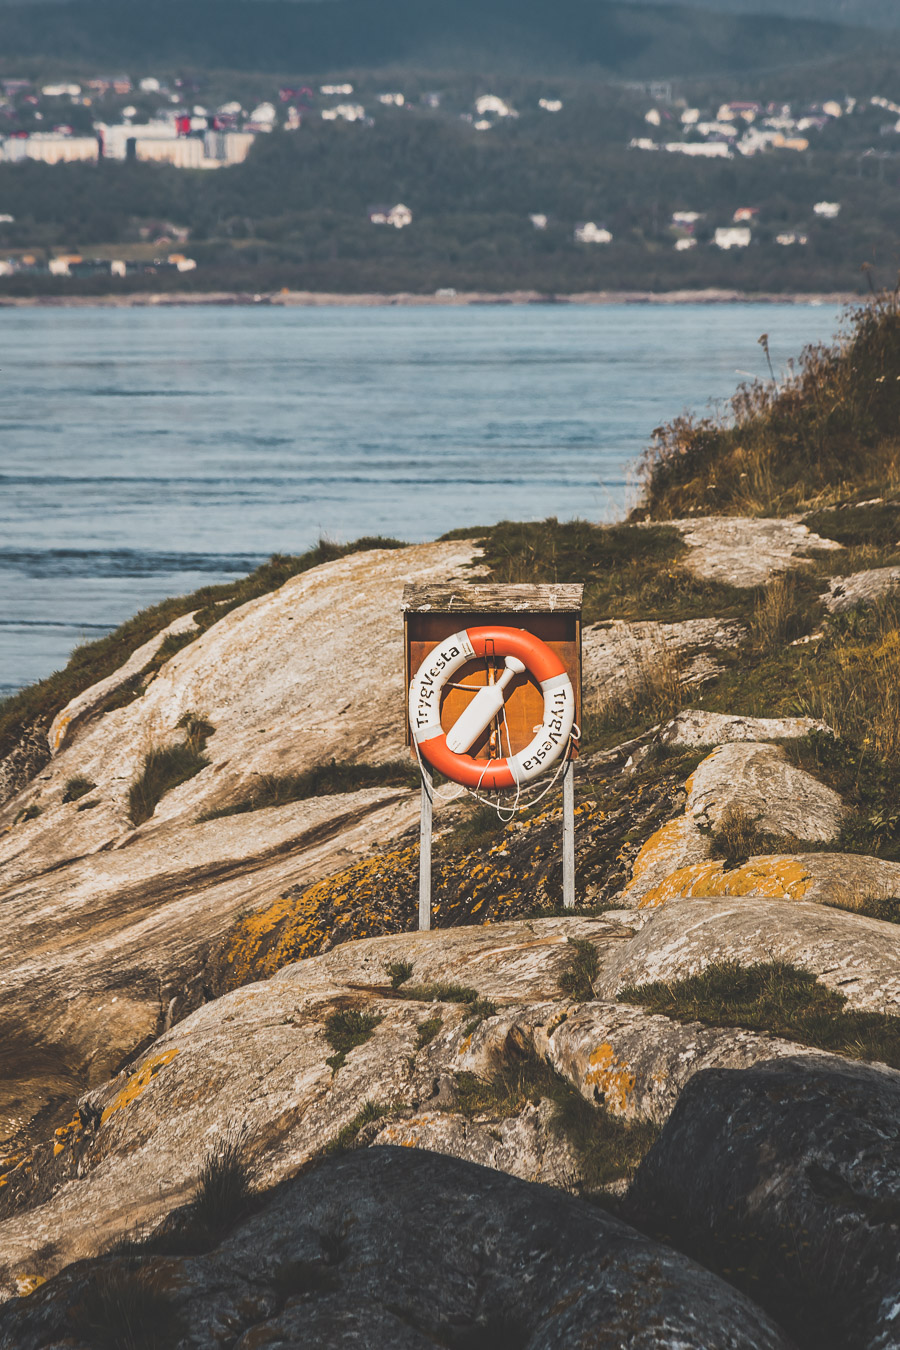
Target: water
{"x": 145, "y": 452}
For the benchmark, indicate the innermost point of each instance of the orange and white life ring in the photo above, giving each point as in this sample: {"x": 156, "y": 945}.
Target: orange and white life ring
{"x": 446, "y": 752}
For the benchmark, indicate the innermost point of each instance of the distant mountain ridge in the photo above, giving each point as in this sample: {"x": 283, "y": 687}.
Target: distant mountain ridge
{"x": 857, "y": 13}
{"x": 632, "y": 40}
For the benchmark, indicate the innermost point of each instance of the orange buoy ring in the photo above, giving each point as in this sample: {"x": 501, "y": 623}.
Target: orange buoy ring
{"x": 446, "y": 752}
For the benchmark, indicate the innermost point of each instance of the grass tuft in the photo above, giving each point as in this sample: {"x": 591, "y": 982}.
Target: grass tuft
{"x": 162, "y": 770}
{"x": 223, "y": 1187}
{"x": 346, "y": 1138}
{"x": 77, "y": 787}
{"x": 773, "y": 996}
{"x": 784, "y": 610}
{"x": 577, "y": 980}
{"x": 427, "y": 1030}
{"x": 398, "y": 972}
{"x": 346, "y": 1029}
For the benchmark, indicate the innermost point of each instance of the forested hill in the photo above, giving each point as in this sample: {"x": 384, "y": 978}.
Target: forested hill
{"x": 478, "y": 35}
{"x": 874, "y": 13}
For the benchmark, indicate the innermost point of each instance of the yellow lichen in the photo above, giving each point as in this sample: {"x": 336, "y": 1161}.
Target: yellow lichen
{"x": 26, "y": 1284}
{"x": 775, "y": 878}
{"x": 139, "y": 1081}
{"x": 613, "y": 1078}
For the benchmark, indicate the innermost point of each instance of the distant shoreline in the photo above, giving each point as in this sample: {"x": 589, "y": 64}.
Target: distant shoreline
{"x": 317, "y": 299}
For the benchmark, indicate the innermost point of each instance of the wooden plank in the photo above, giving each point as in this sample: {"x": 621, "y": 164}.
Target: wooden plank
{"x": 468, "y": 598}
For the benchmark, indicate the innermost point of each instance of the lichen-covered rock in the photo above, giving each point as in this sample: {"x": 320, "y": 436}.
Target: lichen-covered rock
{"x": 798, "y": 1194}
{"x": 862, "y": 588}
{"x": 394, "y": 1247}
{"x": 756, "y": 779}
{"x": 839, "y": 879}
{"x": 746, "y": 551}
{"x": 856, "y": 956}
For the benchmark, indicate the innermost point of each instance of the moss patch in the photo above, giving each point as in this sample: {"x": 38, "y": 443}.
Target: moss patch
{"x": 773, "y": 997}
{"x": 346, "y": 1029}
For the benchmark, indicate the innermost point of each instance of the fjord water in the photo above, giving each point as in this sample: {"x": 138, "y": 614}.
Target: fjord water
{"x": 149, "y": 451}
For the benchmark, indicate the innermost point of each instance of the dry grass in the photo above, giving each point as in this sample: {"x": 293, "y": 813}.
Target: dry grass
{"x": 785, "y": 610}
{"x": 857, "y": 689}
{"x": 654, "y": 691}
{"x": 831, "y": 429}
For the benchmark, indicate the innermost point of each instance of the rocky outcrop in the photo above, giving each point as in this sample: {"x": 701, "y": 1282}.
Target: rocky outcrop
{"x": 797, "y": 1196}
{"x": 856, "y": 956}
{"x": 744, "y": 551}
{"x": 396, "y": 1249}
{"x": 694, "y": 726}
{"x": 772, "y": 794}
{"x": 260, "y": 1061}
{"x": 91, "y": 700}
{"x": 618, "y": 655}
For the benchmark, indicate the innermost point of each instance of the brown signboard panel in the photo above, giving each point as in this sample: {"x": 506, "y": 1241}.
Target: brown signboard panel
{"x": 551, "y": 613}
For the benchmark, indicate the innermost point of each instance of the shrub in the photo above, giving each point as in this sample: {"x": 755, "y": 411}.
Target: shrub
{"x": 399, "y": 972}
{"x": 427, "y": 1030}
{"x": 832, "y": 426}
{"x": 773, "y": 997}
{"x": 76, "y": 787}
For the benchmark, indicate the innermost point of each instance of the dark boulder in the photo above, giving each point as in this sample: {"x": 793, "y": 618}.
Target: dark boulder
{"x": 392, "y": 1248}
{"x": 785, "y": 1178}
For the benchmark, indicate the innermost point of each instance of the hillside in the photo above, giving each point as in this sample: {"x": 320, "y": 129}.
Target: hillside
{"x": 502, "y": 36}
{"x": 244, "y": 1102}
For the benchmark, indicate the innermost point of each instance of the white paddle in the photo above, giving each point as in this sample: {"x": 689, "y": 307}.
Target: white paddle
{"x": 482, "y": 710}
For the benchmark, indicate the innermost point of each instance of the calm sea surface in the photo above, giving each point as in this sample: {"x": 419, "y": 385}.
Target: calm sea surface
{"x": 146, "y": 452}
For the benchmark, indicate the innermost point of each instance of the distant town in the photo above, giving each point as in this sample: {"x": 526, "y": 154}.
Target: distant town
{"x": 169, "y": 121}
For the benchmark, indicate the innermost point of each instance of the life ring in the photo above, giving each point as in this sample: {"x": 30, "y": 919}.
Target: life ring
{"x": 523, "y": 651}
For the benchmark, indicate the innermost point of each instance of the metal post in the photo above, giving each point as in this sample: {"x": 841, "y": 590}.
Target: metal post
{"x": 569, "y": 835}
{"x": 425, "y": 849}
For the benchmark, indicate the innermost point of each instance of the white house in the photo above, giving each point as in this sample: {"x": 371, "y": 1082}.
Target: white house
{"x": 345, "y": 112}
{"x": 786, "y": 240}
{"x": 550, "y": 104}
{"x": 399, "y": 216}
{"x": 538, "y": 220}
{"x": 700, "y": 149}
{"x": 588, "y": 232}
{"x": 828, "y": 210}
{"x": 335, "y": 89}
{"x": 490, "y": 103}
{"x": 733, "y": 236}
{"x": 392, "y": 100}
{"x": 682, "y": 245}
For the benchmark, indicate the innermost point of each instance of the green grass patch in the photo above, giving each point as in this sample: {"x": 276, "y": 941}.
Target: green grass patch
{"x": 629, "y": 572}
{"x": 884, "y": 907}
{"x": 775, "y": 997}
{"x": 345, "y": 1030}
{"x": 223, "y": 1187}
{"x": 162, "y": 770}
{"x": 324, "y": 780}
{"x": 427, "y": 1030}
{"x": 28, "y": 813}
{"x": 346, "y": 1138}
{"x": 583, "y": 967}
{"x": 607, "y": 1147}
{"x": 872, "y": 527}
{"x": 479, "y": 1008}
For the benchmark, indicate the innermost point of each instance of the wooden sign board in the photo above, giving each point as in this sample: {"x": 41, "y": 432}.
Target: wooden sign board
{"x": 552, "y": 613}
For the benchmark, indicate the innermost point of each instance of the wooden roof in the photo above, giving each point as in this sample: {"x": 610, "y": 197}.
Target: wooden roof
{"x": 471, "y": 598}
